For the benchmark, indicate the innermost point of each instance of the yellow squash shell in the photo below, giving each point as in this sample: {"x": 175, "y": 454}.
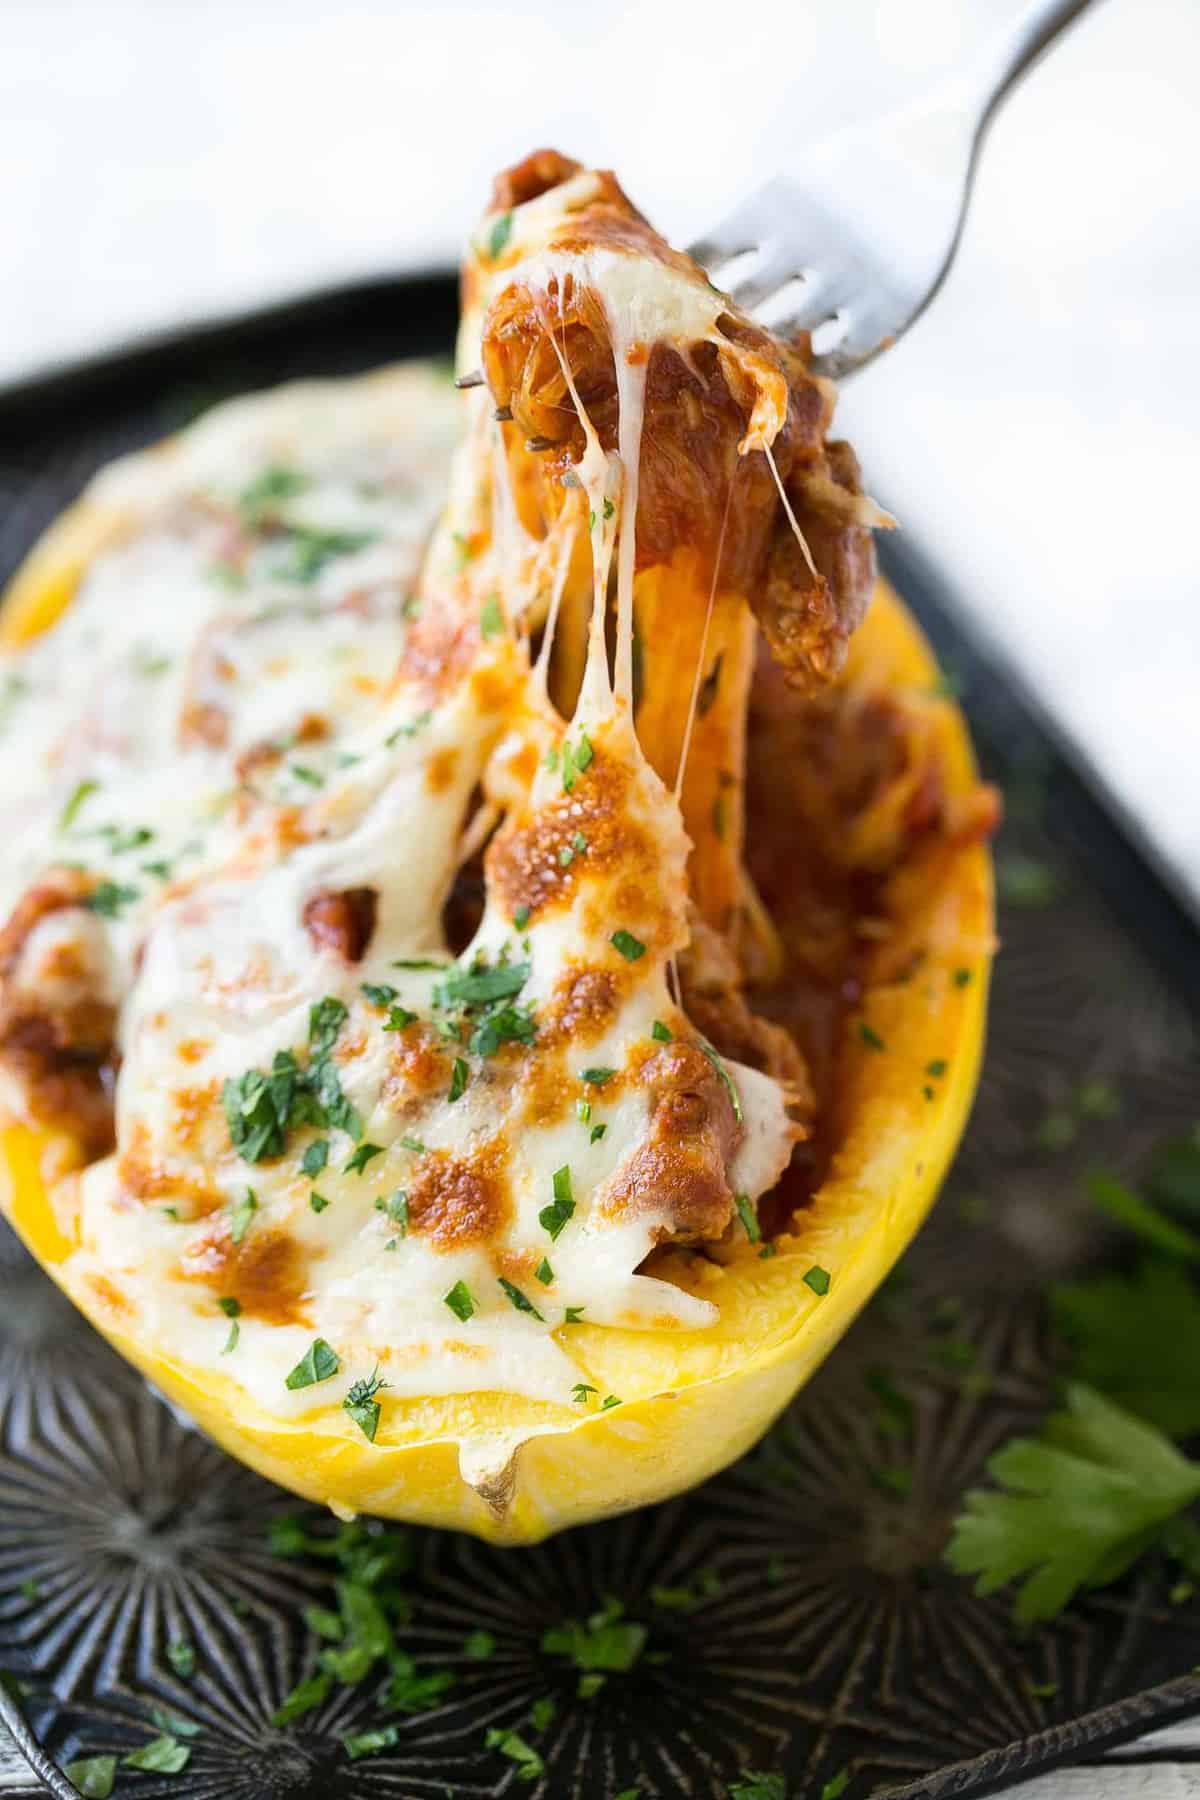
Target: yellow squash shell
{"x": 512, "y": 1470}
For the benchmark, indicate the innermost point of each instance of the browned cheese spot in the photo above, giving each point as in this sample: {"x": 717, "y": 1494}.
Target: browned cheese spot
{"x": 680, "y": 1167}
{"x": 457, "y": 1201}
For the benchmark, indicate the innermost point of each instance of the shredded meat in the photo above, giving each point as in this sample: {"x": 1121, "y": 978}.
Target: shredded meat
{"x": 680, "y": 1167}
{"x": 342, "y": 921}
{"x": 697, "y": 408}
{"x": 56, "y": 1018}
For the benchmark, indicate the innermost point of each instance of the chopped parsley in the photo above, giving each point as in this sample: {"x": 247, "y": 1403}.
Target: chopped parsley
{"x": 233, "y": 1339}
{"x": 817, "y": 1279}
{"x": 491, "y": 618}
{"x": 110, "y": 898}
{"x": 318, "y": 1202}
{"x": 598, "y": 1132}
{"x": 631, "y": 948}
{"x": 182, "y": 1657}
{"x": 748, "y": 1216}
{"x": 544, "y": 1273}
{"x": 726, "y": 1079}
{"x": 399, "y": 1018}
{"x": 596, "y": 1077}
{"x": 370, "y": 1743}
{"x": 311, "y": 548}
{"x": 481, "y": 996}
{"x": 581, "y": 1391}
{"x": 521, "y": 917}
{"x": 460, "y": 1301}
{"x": 459, "y": 1077}
{"x": 315, "y": 1157}
{"x": 305, "y": 1695}
{"x": 530, "y": 1766}
{"x": 379, "y": 993}
{"x": 409, "y": 729}
{"x": 259, "y": 499}
{"x": 583, "y": 1111}
{"x": 79, "y": 796}
{"x": 416, "y": 962}
{"x": 360, "y": 1157}
{"x": 240, "y": 1214}
{"x": 396, "y": 1209}
{"x": 312, "y": 777}
{"x": 604, "y": 1644}
{"x": 573, "y": 762}
{"x": 961, "y": 977}
{"x": 229, "y": 1306}
{"x": 414, "y": 1144}
{"x": 573, "y": 1315}
{"x": 554, "y": 1218}
{"x": 261, "y": 1108}
{"x": 521, "y": 1301}
{"x": 94, "y": 1776}
{"x": 318, "y": 1363}
{"x": 498, "y": 236}
{"x": 363, "y": 1407}
{"x": 608, "y": 1402}
{"x": 660, "y": 1032}
{"x": 163, "y": 1755}
{"x": 937, "y": 1068}
{"x": 870, "y": 1036}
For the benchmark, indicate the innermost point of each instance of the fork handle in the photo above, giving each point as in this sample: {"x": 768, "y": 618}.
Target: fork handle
{"x": 1012, "y": 50}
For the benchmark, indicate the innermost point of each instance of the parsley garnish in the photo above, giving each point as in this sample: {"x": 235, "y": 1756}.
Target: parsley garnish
{"x": 544, "y": 1273}
{"x": 817, "y": 1279}
{"x": 369, "y": 1743}
{"x": 499, "y": 235}
{"x": 79, "y": 796}
{"x": 163, "y": 1755}
{"x": 460, "y": 1301}
{"x": 580, "y": 1392}
{"x": 315, "y": 1157}
{"x": 937, "y": 1068}
{"x": 521, "y": 917}
{"x": 573, "y": 762}
{"x": 727, "y": 1082}
{"x": 751, "y": 1785}
{"x": 479, "y": 1646}
{"x": 240, "y": 1214}
{"x": 312, "y": 548}
{"x": 554, "y": 1218}
{"x": 318, "y": 1363}
{"x": 631, "y": 948}
{"x": 399, "y": 1018}
{"x": 110, "y": 898}
{"x": 306, "y": 1694}
{"x": 396, "y": 1208}
{"x": 94, "y": 1776}
{"x": 608, "y": 1402}
{"x": 359, "y": 1158}
{"x": 318, "y": 1202}
{"x": 606, "y": 1643}
{"x": 598, "y": 1132}
{"x": 260, "y": 1109}
{"x": 459, "y": 1077}
{"x": 1083, "y": 1500}
{"x": 660, "y": 1032}
{"x": 521, "y": 1301}
{"x": 363, "y": 1407}
{"x": 182, "y": 1657}
{"x": 413, "y": 1144}
{"x": 312, "y": 777}
{"x": 409, "y": 729}
{"x": 961, "y": 977}
{"x": 596, "y": 1077}
{"x": 573, "y": 1315}
{"x": 482, "y": 996}
{"x": 748, "y": 1216}
{"x": 870, "y": 1036}
{"x": 379, "y": 993}
{"x": 530, "y": 1766}
{"x": 1134, "y": 1338}
{"x": 491, "y": 618}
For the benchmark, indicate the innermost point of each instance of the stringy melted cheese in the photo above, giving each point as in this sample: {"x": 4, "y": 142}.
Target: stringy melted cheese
{"x": 198, "y": 639}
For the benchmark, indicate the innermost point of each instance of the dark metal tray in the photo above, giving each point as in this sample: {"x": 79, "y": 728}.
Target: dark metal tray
{"x": 828, "y": 1635}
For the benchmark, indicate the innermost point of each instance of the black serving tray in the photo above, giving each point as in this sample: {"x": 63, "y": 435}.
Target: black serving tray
{"x": 830, "y": 1634}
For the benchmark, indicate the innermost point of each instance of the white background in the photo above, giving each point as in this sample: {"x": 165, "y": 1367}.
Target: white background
{"x": 162, "y": 160}
{"x": 165, "y": 160}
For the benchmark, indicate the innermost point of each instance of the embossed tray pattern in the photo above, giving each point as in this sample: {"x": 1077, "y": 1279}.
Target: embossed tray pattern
{"x": 828, "y": 1633}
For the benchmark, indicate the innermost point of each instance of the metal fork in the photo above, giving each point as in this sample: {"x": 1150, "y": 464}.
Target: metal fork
{"x": 855, "y": 249}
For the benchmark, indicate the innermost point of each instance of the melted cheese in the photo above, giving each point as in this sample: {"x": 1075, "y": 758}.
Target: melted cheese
{"x": 265, "y": 693}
